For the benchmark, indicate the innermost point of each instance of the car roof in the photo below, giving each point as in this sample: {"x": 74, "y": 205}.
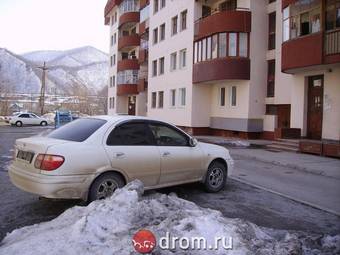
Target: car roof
{"x": 123, "y": 117}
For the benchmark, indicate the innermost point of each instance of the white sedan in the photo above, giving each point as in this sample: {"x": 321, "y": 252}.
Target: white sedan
{"x": 89, "y": 158}
{"x": 28, "y": 119}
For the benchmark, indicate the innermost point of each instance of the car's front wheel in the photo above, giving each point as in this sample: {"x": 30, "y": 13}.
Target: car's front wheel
{"x": 104, "y": 186}
{"x": 18, "y": 124}
{"x": 216, "y": 177}
{"x": 43, "y": 123}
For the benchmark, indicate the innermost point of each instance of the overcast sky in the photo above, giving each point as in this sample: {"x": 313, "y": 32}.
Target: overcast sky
{"x": 30, "y": 25}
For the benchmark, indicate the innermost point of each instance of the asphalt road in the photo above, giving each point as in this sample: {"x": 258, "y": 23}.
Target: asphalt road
{"x": 237, "y": 200}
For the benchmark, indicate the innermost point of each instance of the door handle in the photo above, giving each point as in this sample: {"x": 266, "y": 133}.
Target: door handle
{"x": 119, "y": 154}
{"x": 166, "y": 153}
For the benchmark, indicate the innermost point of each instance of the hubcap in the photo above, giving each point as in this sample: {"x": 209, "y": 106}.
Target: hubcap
{"x": 216, "y": 177}
{"x": 106, "y": 188}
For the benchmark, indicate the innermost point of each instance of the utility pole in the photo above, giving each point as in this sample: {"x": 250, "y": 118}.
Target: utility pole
{"x": 43, "y": 85}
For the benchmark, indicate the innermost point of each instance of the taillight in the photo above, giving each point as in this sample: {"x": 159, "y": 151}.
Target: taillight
{"x": 48, "y": 162}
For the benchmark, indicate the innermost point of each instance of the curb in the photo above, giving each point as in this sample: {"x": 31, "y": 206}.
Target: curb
{"x": 296, "y": 167}
{"x": 287, "y": 196}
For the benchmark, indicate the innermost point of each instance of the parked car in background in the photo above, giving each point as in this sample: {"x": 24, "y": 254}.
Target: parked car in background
{"x": 8, "y": 118}
{"x": 90, "y": 158}
{"x": 28, "y": 119}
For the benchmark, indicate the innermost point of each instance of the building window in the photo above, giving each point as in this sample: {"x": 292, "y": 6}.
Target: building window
{"x": 232, "y": 50}
{"x": 174, "y": 22}
{"x": 161, "y": 66}
{"x": 184, "y": 20}
{"x": 233, "y": 96}
{"x": 160, "y": 99}
{"x": 163, "y": 3}
{"x": 243, "y": 45}
{"x": 173, "y": 61}
{"x": 183, "y": 58}
{"x": 209, "y": 48}
{"x": 116, "y": 17}
{"x": 214, "y": 46}
{"x": 112, "y": 81}
{"x": 155, "y": 6}
{"x": 144, "y": 13}
{"x": 228, "y": 5}
{"x": 129, "y": 6}
{"x": 154, "y": 68}
{"x": 155, "y": 36}
{"x": 112, "y": 102}
{"x": 182, "y": 96}
{"x": 301, "y": 18}
{"x": 271, "y": 1}
{"x": 271, "y": 78}
{"x": 111, "y": 40}
{"x": 173, "y": 98}
{"x": 332, "y": 14}
{"x": 162, "y": 32}
{"x": 115, "y": 38}
{"x": 271, "y": 31}
{"x": 200, "y": 51}
{"x": 153, "y": 99}
{"x": 127, "y": 77}
{"x": 204, "y": 49}
{"x": 222, "y": 45}
{"x": 222, "y": 96}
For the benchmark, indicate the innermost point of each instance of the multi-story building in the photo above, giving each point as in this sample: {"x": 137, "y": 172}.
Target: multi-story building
{"x": 245, "y": 68}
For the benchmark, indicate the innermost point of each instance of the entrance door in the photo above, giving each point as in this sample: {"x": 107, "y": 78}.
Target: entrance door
{"x": 132, "y": 105}
{"x": 283, "y": 116}
{"x": 315, "y": 107}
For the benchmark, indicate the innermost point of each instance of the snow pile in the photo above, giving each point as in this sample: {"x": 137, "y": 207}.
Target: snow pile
{"x": 107, "y": 227}
{"x": 227, "y": 141}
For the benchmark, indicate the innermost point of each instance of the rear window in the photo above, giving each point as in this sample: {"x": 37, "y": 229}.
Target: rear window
{"x": 78, "y": 130}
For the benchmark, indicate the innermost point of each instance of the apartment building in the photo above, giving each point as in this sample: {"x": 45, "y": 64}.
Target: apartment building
{"x": 253, "y": 69}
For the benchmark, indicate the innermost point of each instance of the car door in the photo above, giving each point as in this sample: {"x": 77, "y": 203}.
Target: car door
{"x": 34, "y": 119}
{"x": 24, "y": 118}
{"x": 180, "y": 162}
{"x": 131, "y": 149}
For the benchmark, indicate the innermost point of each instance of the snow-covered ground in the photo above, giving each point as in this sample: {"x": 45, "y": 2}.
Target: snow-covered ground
{"x": 227, "y": 141}
{"x": 107, "y": 227}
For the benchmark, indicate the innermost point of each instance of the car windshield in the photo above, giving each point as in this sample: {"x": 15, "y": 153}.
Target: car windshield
{"x": 78, "y": 130}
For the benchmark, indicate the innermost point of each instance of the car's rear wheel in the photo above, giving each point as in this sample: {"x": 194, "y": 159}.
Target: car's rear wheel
{"x": 18, "y": 124}
{"x": 43, "y": 123}
{"x": 216, "y": 177}
{"x": 104, "y": 186}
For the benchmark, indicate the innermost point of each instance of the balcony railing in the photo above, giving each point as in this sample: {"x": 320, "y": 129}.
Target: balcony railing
{"x": 129, "y": 6}
{"x": 127, "y": 77}
{"x": 332, "y": 42}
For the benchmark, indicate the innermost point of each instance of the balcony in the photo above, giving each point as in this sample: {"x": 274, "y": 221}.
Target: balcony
{"x": 310, "y": 51}
{"x": 129, "y": 17}
{"x": 128, "y": 64}
{"x": 223, "y": 21}
{"x": 143, "y": 56}
{"x": 222, "y": 69}
{"x": 127, "y": 89}
{"x": 128, "y": 41}
{"x": 142, "y": 85}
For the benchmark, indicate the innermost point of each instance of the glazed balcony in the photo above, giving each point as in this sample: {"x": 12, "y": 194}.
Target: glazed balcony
{"x": 128, "y": 64}
{"x": 221, "y": 69}
{"x": 129, "y": 17}
{"x": 127, "y": 82}
{"x": 223, "y": 21}
{"x": 128, "y": 41}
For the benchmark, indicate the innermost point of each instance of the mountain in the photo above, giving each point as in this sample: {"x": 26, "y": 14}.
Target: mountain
{"x": 72, "y": 72}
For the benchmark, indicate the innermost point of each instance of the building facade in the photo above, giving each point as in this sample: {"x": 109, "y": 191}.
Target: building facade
{"x": 252, "y": 69}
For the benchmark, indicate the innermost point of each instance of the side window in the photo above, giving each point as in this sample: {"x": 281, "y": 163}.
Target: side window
{"x": 33, "y": 116}
{"x": 130, "y": 134}
{"x": 24, "y": 116}
{"x": 167, "y": 136}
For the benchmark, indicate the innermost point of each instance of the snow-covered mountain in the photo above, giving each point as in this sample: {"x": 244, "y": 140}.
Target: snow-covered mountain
{"x": 77, "y": 71}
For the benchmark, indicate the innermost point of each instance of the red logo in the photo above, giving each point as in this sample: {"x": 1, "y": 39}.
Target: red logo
{"x": 144, "y": 241}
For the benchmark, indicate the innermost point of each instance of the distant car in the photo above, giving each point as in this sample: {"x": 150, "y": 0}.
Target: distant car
{"x": 90, "y": 158}
{"x": 8, "y": 118}
{"x": 28, "y": 119}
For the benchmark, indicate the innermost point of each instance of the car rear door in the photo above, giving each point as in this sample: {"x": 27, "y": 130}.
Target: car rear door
{"x": 131, "y": 149}
{"x": 180, "y": 162}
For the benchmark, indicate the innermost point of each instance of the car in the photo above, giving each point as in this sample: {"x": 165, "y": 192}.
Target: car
{"x": 90, "y": 158}
{"x": 28, "y": 119}
{"x": 8, "y": 118}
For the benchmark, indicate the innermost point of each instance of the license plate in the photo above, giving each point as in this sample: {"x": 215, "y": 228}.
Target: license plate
{"x": 25, "y": 155}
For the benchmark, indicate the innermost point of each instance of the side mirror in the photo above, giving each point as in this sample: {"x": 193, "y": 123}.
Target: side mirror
{"x": 193, "y": 142}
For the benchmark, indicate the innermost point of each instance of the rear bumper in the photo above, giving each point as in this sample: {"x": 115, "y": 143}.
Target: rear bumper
{"x": 62, "y": 187}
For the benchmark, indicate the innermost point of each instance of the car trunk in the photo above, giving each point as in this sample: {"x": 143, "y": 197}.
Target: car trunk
{"x": 27, "y": 149}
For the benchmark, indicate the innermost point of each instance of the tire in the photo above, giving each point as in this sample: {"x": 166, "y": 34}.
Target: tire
{"x": 18, "y": 124}
{"x": 216, "y": 177}
{"x": 101, "y": 187}
{"x": 43, "y": 123}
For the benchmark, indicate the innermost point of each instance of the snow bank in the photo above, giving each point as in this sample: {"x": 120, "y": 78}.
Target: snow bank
{"x": 227, "y": 141}
{"x": 107, "y": 227}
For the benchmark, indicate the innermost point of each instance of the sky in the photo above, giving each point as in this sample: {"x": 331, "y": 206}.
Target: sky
{"x": 31, "y": 25}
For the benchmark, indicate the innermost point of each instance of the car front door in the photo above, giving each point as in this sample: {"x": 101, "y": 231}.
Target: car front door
{"x": 24, "y": 118}
{"x": 131, "y": 149}
{"x": 180, "y": 162}
{"x": 34, "y": 119}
